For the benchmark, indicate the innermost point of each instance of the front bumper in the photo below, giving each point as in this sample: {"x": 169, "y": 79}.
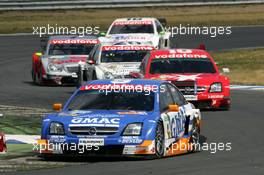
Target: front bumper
{"x": 61, "y": 78}
{"x": 47, "y": 147}
{"x": 207, "y": 101}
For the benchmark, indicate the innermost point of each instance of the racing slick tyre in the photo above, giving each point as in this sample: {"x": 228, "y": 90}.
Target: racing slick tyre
{"x": 80, "y": 80}
{"x": 38, "y": 79}
{"x": 195, "y": 137}
{"x": 159, "y": 141}
{"x": 94, "y": 77}
{"x": 33, "y": 75}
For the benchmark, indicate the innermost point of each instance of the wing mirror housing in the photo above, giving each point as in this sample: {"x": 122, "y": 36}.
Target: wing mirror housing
{"x": 90, "y": 62}
{"x": 57, "y": 106}
{"x": 202, "y": 46}
{"x": 162, "y": 33}
{"x": 134, "y": 74}
{"x": 174, "y": 108}
{"x": 38, "y": 54}
{"x": 102, "y": 34}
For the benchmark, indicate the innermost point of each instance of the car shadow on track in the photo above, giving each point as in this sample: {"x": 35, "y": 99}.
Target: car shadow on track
{"x": 31, "y": 83}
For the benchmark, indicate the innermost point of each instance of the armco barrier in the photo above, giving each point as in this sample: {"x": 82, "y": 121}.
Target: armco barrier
{"x": 81, "y": 4}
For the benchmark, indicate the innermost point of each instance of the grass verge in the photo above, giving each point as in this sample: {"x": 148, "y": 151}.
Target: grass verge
{"x": 20, "y": 125}
{"x": 17, "y": 150}
{"x": 23, "y": 21}
{"x": 246, "y": 66}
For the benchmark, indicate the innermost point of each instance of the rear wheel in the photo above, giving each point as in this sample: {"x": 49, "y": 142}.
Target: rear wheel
{"x": 159, "y": 141}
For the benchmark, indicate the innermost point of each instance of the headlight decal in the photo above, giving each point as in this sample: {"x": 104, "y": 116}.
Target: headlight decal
{"x": 55, "y": 67}
{"x": 56, "y": 128}
{"x": 216, "y": 87}
{"x": 133, "y": 129}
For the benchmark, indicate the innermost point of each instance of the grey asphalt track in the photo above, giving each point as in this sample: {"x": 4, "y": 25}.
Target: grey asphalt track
{"x": 242, "y": 126}
{"x": 16, "y": 86}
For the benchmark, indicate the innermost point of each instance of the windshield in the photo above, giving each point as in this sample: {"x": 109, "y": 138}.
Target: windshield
{"x": 123, "y": 29}
{"x": 181, "y": 65}
{"x": 70, "y": 49}
{"x": 123, "y": 56}
{"x": 94, "y": 99}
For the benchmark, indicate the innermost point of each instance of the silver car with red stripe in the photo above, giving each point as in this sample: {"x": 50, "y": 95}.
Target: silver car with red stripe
{"x": 59, "y": 61}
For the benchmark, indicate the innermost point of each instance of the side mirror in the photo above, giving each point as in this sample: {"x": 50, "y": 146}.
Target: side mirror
{"x": 102, "y": 34}
{"x": 173, "y": 108}
{"x": 162, "y": 33}
{"x": 90, "y": 62}
{"x": 225, "y": 70}
{"x": 57, "y": 106}
{"x": 202, "y": 47}
{"x": 38, "y": 54}
{"x": 134, "y": 74}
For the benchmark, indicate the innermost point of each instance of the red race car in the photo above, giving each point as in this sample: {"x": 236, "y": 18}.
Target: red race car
{"x": 193, "y": 71}
{"x": 3, "y": 148}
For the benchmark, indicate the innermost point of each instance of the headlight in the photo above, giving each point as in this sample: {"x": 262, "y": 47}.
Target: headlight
{"x": 109, "y": 75}
{"x": 55, "y": 67}
{"x": 56, "y": 128}
{"x": 216, "y": 87}
{"x": 133, "y": 129}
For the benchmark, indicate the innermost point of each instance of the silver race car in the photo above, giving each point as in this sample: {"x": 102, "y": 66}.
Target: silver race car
{"x": 58, "y": 63}
{"x": 113, "y": 61}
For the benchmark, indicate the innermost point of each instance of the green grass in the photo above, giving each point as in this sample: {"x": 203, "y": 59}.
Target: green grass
{"x": 246, "y": 66}
{"x": 17, "y": 150}
{"x": 23, "y": 21}
{"x": 20, "y": 125}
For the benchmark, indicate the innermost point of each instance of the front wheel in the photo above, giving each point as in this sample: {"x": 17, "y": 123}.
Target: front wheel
{"x": 94, "y": 77}
{"x": 159, "y": 141}
{"x": 38, "y": 77}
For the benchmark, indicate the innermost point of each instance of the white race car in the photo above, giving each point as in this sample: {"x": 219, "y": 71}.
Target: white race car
{"x": 147, "y": 30}
{"x": 108, "y": 61}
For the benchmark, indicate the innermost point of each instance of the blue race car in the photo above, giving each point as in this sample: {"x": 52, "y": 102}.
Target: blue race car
{"x": 122, "y": 117}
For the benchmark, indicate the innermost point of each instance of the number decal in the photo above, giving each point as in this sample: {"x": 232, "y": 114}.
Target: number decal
{"x": 177, "y": 123}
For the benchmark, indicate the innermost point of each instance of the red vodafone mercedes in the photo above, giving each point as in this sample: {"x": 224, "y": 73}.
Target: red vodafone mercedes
{"x": 193, "y": 71}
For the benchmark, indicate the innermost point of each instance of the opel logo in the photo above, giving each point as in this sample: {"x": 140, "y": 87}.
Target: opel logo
{"x": 92, "y": 131}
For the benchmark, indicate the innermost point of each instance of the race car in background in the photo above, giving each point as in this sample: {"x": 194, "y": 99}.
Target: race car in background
{"x": 58, "y": 63}
{"x": 122, "y": 117}
{"x": 193, "y": 71}
{"x": 138, "y": 29}
{"x": 114, "y": 61}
